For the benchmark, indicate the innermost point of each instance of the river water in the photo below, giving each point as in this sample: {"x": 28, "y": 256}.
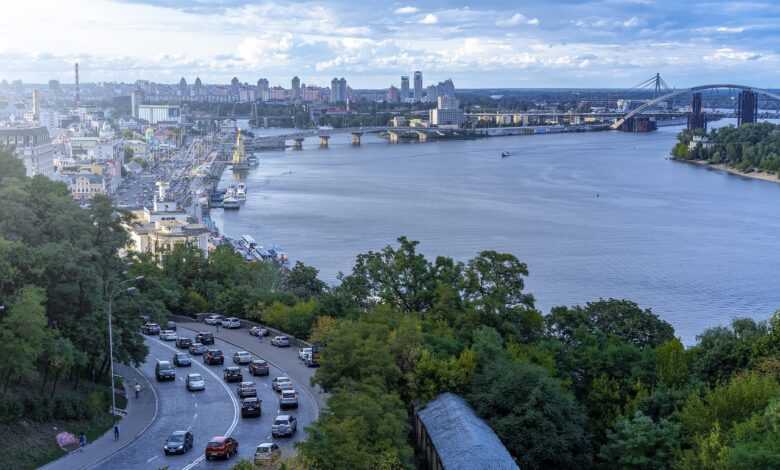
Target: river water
{"x": 601, "y": 214}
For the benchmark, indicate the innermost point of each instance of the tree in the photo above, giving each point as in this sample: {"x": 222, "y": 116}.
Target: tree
{"x": 302, "y": 281}
{"x": 672, "y": 363}
{"x": 639, "y": 443}
{"x": 10, "y": 166}
{"x": 22, "y": 332}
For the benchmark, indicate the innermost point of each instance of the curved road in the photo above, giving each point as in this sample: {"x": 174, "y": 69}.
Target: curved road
{"x": 212, "y": 412}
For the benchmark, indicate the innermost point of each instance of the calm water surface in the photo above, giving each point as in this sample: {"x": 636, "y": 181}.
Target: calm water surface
{"x": 593, "y": 215}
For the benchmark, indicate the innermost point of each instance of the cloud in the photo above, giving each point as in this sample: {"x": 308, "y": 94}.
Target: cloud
{"x": 430, "y": 18}
{"x": 407, "y": 10}
{"x": 727, "y": 54}
{"x": 515, "y": 20}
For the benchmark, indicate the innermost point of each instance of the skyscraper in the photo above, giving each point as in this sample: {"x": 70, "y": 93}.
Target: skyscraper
{"x": 418, "y": 86}
{"x": 197, "y": 88}
{"x": 184, "y": 91}
{"x": 404, "y": 87}
{"x": 296, "y": 88}
{"x": 338, "y": 90}
{"x": 263, "y": 90}
{"x": 135, "y": 101}
{"x": 36, "y": 105}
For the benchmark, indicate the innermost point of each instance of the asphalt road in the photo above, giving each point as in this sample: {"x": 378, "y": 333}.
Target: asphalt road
{"x": 212, "y": 412}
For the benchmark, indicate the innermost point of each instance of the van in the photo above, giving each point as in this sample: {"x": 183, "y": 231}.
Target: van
{"x": 164, "y": 371}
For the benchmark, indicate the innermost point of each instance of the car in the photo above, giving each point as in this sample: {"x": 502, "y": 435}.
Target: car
{"x": 288, "y": 399}
{"x": 304, "y": 354}
{"x": 168, "y": 335}
{"x": 213, "y": 356}
{"x": 163, "y": 370}
{"x": 255, "y": 330}
{"x": 171, "y": 325}
{"x": 213, "y": 319}
{"x": 284, "y": 426}
{"x": 151, "y": 329}
{"x": 251, "y": 407}
{"x": 259, "y": 367}
{"x": 232, "y": 374}
{"x": 221, "y": 447}
{"x": 277, "y": 382}
{"x": 195, "y": 382}
{"x": 267, "y": 453}
{"x": 281, "y": 341}
{"x": 197, "y": 349}
{"x": 179, "y": 442}
{"x": 183, "y": 343}
{"x": 242, "y": 357}
{"x": 246, "y": 389}
{"x": 181, "y": 359}
{"x": 204, "y": 337}
{"x": 231, "y": 322}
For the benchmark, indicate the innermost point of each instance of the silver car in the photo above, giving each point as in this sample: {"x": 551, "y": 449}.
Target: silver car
{"x": 195, "y": 382}
{"x": 288, "y": 399}
{"x": 284, "y": 425}
{"x": 278, "y": 382}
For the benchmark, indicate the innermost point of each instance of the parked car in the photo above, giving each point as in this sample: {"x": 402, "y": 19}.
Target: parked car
{"x": 267, "y": 453}
{"x": 281, "y": 341}
{"x": 304, "y": 354}
{"x": 195, "y": 382}
{"x": 151, "y": 329}
{"x": 213, "y": 356}
{"x": 232, "y": 374}
{"x": 221, "y": 447}
{"x": 179, "y": 442}
{"x": 183, "y": 343}
{"x": 277, "y": 382}
{"x": 171, "y": 325}
{"x": 242, "y": 357}
{"x": 168, "y": 335}
{"x": 251, "y": 407}
{"x": 284, "y": 425}
{"x": 246, "y": 389}
{"x": 182, "y": 360}
{"x": 256, "y": 330}
{"x": 213, "y": 319}
{"x": 197, "y": 349}
{"x": 204, "y": 337}
{"x": 231, "y": 322}
{"x": 288, "y": 399}
{"x": 259, "y": 367}
{"x": 163, "y": 370}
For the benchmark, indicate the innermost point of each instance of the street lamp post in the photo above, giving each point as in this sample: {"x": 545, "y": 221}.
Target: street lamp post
{"x": 111, "y": 296}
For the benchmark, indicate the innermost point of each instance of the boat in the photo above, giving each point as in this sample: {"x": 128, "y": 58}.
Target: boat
{"x": 240, "y": 192}
{"x": 253, "y": 160}
{"x": 231, "y": 203}
{"x": 506, "y": 154}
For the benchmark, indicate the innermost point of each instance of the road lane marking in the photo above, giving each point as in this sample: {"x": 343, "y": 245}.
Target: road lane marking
{"x": 230, "y": 395}
{"x": 151, "y": 459}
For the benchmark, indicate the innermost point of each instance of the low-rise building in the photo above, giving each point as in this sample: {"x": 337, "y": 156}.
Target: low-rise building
{"x": 83, "y": 187}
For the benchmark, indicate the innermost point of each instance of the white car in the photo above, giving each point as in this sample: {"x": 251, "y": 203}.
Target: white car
{"x": 195, "y": 382}
{"x": 281, "y": 341}
{"x": 280, "y": 383}
{"x": 168, "y": 335}
{"x": 304, "y": 354}
{"x": 288, "y": 399}
{"x": 242, "y": 357}
{"x": 213, "y": 319}
{"x": 231, "y": 322}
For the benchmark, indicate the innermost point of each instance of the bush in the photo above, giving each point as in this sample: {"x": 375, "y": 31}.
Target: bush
{"x": 11, "y": 411}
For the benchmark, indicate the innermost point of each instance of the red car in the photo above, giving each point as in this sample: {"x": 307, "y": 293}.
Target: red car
{"x": 222, "y": 447}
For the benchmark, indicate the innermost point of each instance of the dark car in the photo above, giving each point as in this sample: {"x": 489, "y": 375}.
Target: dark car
{"x": 179, "y": 442}
{"x": 246, "y": 389}
{"x": 182, "y": 360}
{"x": 221, "y": 447}
{"x": 259, "y": 367}
{"x": 204, "y": 338}
{"x": 213, "y": 356}
{"x": 183, "y": 343}
{"x": 151, "y": 329}
{"x": 232, "y": 374}
{"x": 251, "y": 407}
{"x": 164, "y": 371}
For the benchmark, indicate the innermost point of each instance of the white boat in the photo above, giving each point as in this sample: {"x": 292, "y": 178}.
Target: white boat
{"x": 231, "y": 203}
{"x": 240, "y": 192}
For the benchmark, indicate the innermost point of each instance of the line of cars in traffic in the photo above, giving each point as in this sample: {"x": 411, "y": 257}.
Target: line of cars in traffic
{"x": 284, "y": 425}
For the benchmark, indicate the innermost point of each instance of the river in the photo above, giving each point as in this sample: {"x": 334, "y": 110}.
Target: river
{"x": 601, "y": 214}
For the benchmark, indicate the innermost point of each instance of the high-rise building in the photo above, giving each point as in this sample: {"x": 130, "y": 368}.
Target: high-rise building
{"x": 404, "y": 87}
{"x": 393, "y": 95}
{"x": 36, "y": 105}
{"x": 235, "y": 87}
{"x": 296, "y": 88}
{"x": 136, "y": 97}
{"x": 338, "y": 90}
{"x": 197, "y": 89}
{"x": 78, "y": 98}
{"x": 184, "y": 91}
{"x": 418, "y": 86}
{"x": 263, "y": 90}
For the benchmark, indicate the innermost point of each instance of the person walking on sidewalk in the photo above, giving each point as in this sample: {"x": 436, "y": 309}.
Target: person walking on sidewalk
{"x": 82, "y": 440}
{"x": 137, "y": 389}
{"x": 116, "y": 432}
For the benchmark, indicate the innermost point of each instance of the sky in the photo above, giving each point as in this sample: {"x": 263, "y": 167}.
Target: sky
{"x": 479, "y": 44}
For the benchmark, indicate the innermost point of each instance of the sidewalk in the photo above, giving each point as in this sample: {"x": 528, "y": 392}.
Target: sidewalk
{"x": 141, "y": 413}
{"x": 285, "y": 359}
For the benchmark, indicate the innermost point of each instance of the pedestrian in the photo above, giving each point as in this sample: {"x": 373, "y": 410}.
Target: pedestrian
{"x": 137, "y": 388}
{"x": 82, "y": 440}
{"x": 116, "y": 432}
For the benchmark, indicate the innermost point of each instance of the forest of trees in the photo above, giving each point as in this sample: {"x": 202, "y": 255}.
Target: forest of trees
{"x": 746, "y": 148}
{"x": 601, "y": 385}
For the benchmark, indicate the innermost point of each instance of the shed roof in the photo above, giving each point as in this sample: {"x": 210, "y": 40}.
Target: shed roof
{"x": 462, "y": 439}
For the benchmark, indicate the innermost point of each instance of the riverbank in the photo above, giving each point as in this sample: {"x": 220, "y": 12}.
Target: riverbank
{"x": 759, "y": 175}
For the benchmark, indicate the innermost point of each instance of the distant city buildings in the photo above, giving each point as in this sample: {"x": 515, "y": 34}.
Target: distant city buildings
{"x": 159, "y": 113}
{"x": 446, "y": 113}
{"x": 296, "y": 88}
{"x": 404, "y": 87}
{"x": 338, "y": 90}
{"x": 418, "y": 86}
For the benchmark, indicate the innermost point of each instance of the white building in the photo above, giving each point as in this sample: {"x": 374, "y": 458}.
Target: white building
{"x": 157, "y": 113}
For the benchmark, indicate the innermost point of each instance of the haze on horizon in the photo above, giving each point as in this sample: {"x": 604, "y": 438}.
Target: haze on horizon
{"x": 486, "y": 44}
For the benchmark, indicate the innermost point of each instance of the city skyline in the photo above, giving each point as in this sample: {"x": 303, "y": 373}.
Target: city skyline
{"x": 493, "y": 44}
